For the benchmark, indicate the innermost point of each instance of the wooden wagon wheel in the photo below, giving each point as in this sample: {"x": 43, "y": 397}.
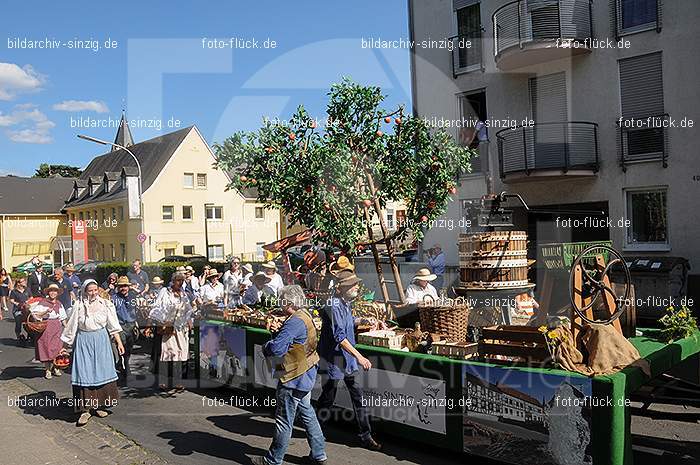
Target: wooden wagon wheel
{"x": 595, "y": 283}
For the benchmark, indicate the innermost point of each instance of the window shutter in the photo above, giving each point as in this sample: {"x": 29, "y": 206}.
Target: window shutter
{"x": 641, "y": 86}
{"x": 459, "y": 4}
{"x": 548, "y": 98}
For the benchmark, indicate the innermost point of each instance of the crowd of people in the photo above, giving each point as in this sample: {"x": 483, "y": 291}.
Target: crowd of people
{"x": 102, "y": 323}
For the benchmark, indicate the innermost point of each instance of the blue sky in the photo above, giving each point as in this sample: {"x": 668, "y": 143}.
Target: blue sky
{"x": 163, "y": 71}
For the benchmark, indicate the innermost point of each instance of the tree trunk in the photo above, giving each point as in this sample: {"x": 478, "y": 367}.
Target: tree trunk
{"x": 375, "y": 253}
{"x": 388, "y": 242}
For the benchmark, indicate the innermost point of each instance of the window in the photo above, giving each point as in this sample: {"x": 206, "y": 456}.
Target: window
{"x": 103, "y": 215}
{"x": 94, "y": 215}
{"x": 215, "y": 213}
{"x": 467, "y": 44}
{"x": 114, "y": 213}
{"x": 642, "y": 136}
{"x": 168, "y": 252}
{"x": 187, "y": 212}
{"x": 80, "y": 216}
{"x": 121, "y": 213}
{"x": 188, "y": 180}
{"x": 647, "y": 211}
{"x": 472, "y": 108}
{"x": 188, "y": 249}
{"x": 216, "y": 252}
{"x": 168, "y": 212}
{"x": 88, "y": 215}
{"x": 259, "y": 251}
{"x": 72, "y": 217}
{"x": 390, "y": 219}
{"x": 259, "y": 213}
{"x": 122, "y": 250}
{"x": 111, "y": 254}
{"x": 636, "y": 15}
{"x": 201, "y": 181}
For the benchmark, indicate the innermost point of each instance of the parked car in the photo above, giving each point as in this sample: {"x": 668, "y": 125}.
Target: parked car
{"x": 183, "y": 258}
{"x": 28, "y": 267}
{"x": 87, "y": 270}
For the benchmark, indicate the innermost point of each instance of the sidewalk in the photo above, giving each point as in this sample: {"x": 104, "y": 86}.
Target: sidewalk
{"x": 40, "y": 436}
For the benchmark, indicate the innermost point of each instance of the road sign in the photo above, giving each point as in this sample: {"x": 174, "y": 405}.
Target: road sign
{"x": 141, "y": 238}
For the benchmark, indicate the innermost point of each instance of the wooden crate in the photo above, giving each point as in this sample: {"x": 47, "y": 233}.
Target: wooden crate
{"x": 459, "y": 350}
{"x": 518, "y": 343}
{"x": 381, "y": 338}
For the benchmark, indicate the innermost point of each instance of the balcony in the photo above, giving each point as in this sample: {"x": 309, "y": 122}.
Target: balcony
{"x": 548, "y": 151}
{"x": 527, "y": 32}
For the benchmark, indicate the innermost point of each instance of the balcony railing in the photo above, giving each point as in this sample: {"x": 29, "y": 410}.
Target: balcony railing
{"x": 643, "y": 139}
{"x": 523, "y": 22}
{"x": 466, "y": 52}
{"x": 562, "y": 147}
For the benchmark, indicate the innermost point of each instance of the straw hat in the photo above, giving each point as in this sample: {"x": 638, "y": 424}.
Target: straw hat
{"x": 269, "y": 265}
{"x": 69, "y": 267}
{"x": 53, "y": 287}
{"x": 343, "y": 263}
{"x": 211, "y": 273}
{"x": 123, "y": 281}
{"x": 260, "y": 279}
{"x": 348, "y": 280}
{"x": 248, "y": 267}
{"x": 189, "y": 268}
{"x": 424, "y": 274}
{"x": 157, "y": 280}
{"x": 180, "y": 269}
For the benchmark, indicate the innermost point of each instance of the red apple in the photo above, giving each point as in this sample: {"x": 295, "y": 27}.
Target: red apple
{"x": 313, "y": 125}
{"x": 308, "y": 189}
{"x": 453, "y": 190}
{"x": 387, "y": 120}
{"x": 292, "y": 136}
{"x": 367, "y": 203}
{"x": 398, "y": 120}
{"x": 253, "y": 181}
{"x": 431, "y": 204}
{"x": 244, "y": 179}
{"x": 380, "y": 133}
{"x": 423, "y": 219}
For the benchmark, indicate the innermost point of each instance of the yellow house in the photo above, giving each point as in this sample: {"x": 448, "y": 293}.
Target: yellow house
{"x": 31, "y": 221}
{"x": 183, "y": 195}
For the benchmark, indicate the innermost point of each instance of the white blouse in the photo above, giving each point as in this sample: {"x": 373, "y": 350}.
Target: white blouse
{"x": 209, "y": 293}
{"x": 91, "y": 316}
{"x": 172, "y": 309}
{"x": 49, "y": 313}
{"x": 276, "y": 284}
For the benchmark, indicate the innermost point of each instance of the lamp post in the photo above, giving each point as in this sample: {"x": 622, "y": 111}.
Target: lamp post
{"x": 206, "y": 229}
{"x": 138, "y": 167}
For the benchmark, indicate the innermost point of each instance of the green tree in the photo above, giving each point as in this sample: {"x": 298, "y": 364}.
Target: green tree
{"x": 64, "y": 171}
{"x": 337, "y": 181}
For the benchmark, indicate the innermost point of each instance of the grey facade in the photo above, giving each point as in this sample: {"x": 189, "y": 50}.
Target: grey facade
{"x": 524, "y": 58}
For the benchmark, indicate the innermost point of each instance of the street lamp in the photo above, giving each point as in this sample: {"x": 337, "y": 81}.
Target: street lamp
{"x": 206, "y": 229}
{"x": 138, "y": 167}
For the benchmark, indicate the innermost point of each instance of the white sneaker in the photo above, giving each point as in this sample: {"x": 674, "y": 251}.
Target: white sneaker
{"x": 82, "y": 421}
{"x": 57, "y": 372}
{"x": 47, "y": 375}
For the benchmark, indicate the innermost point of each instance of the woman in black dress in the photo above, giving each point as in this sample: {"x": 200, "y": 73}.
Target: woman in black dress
{"x": 5, "y": 287}
{"x": 18, "y": 298}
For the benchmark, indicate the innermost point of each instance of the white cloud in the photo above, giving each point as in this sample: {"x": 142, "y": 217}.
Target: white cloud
{"x": 81, "y": 105}
{"x": 15, "y": 80}
{"x": 28, "y": 125}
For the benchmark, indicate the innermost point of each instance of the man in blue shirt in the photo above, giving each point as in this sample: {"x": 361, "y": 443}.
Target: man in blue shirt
{"x": 72, "y": 278}
{"x": 67, "y": 296}
{"x": 340, "y": 357}
{"x": 296, "y": 364}
{"x": 125, "y": 305}
{"x": 436, "y": 263}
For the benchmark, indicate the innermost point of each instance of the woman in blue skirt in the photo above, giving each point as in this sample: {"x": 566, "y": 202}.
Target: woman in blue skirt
{"x": 89, "y": 328}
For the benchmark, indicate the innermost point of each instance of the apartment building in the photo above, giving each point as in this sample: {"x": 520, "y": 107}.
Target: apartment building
{"x": 186, "y": 207}
{"x": 574, "y": 105}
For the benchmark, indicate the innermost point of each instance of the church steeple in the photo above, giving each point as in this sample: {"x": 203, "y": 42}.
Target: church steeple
{"x": 123, "y": 133}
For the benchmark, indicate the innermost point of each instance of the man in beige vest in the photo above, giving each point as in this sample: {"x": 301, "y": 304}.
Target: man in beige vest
{"x": 293, "y": 354}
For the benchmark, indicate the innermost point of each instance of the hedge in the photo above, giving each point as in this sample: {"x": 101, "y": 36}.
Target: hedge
{"x": 162, "y": 269}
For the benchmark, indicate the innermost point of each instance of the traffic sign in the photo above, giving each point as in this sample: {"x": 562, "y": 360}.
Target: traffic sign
{"x": 141, "y": 238}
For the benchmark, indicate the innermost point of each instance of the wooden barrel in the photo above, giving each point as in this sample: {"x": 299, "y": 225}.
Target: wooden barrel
{"x": 493, "y": 260}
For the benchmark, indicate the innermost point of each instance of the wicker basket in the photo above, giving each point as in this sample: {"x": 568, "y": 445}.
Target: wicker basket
{"x": 451, "y": 322}
{"x": 33, "y": 326}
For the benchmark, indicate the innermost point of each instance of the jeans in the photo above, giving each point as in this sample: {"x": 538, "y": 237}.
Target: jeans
{"x": 17, "y": 315}
{"x": 289, "y": 403}
{"x": 325, "y": 403}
